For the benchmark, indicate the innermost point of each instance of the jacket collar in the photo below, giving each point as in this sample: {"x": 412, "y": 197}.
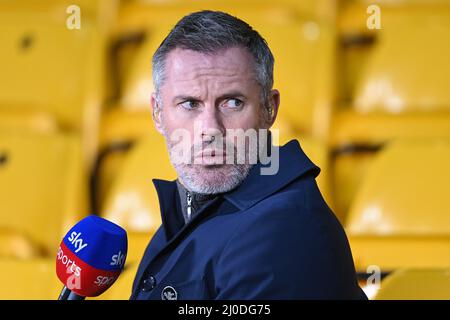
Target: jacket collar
{"x": 293, "y": 163}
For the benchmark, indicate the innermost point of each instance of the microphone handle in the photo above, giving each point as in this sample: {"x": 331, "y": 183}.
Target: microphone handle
{"x": 66, "y": 294}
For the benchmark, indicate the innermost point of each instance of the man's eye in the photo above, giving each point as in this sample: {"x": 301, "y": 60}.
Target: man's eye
{"x": 233, "y": 103}
{"x": 189, "y": 105}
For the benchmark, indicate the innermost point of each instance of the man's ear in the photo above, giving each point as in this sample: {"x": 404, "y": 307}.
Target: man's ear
{"x": 274, "y": 103}
{"x": 157, "y": 113}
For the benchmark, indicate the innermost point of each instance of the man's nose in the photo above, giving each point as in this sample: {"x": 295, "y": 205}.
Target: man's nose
{"x": 211, "y": 125}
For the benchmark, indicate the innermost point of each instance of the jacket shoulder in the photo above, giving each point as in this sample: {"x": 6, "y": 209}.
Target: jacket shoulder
{"x": 293, "y": 246}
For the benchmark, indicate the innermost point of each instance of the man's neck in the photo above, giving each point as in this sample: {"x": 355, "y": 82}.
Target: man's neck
{"x": 191, "y": 202}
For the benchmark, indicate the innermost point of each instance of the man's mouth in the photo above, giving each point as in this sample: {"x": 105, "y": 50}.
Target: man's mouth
{"x": 210, "y": 158}
{"x": 211, "y": 153}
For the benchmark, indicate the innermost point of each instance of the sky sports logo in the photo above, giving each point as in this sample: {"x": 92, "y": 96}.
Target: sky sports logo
{"x": 76, "y": 240}
{"x": 79, "y": 244}
{"x": 71, "y": 266}
{"x": 118, "y": 259}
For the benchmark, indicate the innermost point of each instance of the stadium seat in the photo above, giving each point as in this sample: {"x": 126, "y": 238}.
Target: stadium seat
{"x": 357, "y": 41}
{"x": 132, "y": 201}
{"x": 401, "y": 214}
{"x": 32, "y": 279}
{"x": 390, "y": 82}
{"x": 120, "y": 130}
{"x": 22, "y": 121}
{"x": 416, "y": 284}
{"x": 16, "y": 245}
{"x": 50, "y": 69}
{"x": 42, "y": 192}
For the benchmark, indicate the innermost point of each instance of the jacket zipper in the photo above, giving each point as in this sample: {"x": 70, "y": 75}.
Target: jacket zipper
{"x": 189, "y": 204}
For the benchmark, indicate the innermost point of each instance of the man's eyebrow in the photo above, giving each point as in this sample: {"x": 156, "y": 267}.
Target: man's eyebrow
{"x": 186, "y": 98}
{"x": 228, "y": 95}
{"x": 231, "y": 94}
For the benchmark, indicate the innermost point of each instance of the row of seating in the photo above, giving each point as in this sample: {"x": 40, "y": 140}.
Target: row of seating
{"x": 37, "y": 281}
{"x": 396, "y": 87}
{"x": 383, "y": 153}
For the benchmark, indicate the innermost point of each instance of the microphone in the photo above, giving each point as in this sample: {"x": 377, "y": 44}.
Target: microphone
{"x": 90, "y": 258}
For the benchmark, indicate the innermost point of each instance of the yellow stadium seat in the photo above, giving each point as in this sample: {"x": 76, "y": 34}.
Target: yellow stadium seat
{"x": 33, "y": 279}
{"x": 120, "y": 125}
{"x": 304, "y": 73}
{"x": 357, "y": 138}
{"x": 358, "y": 40}
{"x": 416, "y": 284}
{"x": 375, "y": 129}
{"x": 132, "y": 201}
{"x": 401, "y": 216}
{"x": 22, "y": 121}
{"x": 138, "y": 83}
{"x": 347, "y": 173}
{"x": 400, "y": 77}
{"x": 50, "y": 69}
{"x": 42, "y": 192}
{"x": 120, "y": 129}
{"x": 16, "y": 245}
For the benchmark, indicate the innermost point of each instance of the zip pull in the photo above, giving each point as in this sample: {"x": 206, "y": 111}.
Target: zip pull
{"x": 189, "y": 204}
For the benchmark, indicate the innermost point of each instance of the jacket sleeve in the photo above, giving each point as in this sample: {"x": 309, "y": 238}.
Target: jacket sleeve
{"x": 288, "y": 255}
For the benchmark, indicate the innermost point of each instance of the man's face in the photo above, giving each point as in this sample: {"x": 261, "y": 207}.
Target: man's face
{"x": 206, "y": 96}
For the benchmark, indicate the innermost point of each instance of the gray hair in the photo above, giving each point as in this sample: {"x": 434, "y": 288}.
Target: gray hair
{"x": 209, "y": 32}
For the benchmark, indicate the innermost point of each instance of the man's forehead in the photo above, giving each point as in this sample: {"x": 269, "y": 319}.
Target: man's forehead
{"x": 184, "y": 65}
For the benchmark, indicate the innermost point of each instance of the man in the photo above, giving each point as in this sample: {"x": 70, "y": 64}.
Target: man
{"x": 230, "y": 229}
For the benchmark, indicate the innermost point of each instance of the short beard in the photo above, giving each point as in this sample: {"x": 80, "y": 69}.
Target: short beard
{"x": 209, "y": 179}
{"x": 212, "y": 179}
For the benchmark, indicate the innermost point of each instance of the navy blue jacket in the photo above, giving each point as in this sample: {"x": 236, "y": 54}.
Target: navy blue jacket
{"x": 273, "y": 237}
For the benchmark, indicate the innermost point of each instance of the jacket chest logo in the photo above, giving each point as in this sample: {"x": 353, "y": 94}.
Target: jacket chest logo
{"x": 169, "y": 293}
